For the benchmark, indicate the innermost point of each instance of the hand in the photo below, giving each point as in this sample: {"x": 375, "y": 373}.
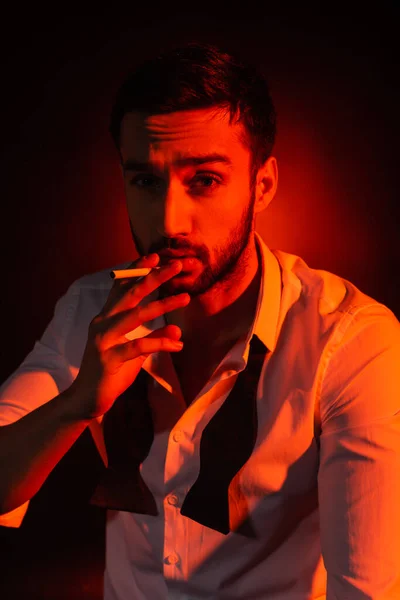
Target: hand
{"x": 111, "y": 362}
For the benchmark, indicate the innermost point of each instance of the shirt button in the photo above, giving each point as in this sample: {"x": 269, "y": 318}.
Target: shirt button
{"x": 172, "y": 559}
{"x": 172, "y": 499}
{"x": 177, "y": 436}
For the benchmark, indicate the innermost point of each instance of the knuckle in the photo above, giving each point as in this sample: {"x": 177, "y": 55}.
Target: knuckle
{"x": 96, "y": 331}
{"x": 139, "y": 344}
{"x": 161, "y": 274}
{"x": 98, "y": 340}
{"x": 133, "y": 291}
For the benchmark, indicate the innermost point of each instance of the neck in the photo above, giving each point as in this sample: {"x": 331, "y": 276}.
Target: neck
{"x": 226, "y": 311}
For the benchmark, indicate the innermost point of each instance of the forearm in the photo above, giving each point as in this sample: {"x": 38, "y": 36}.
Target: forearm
{"x": 31, "y": 447}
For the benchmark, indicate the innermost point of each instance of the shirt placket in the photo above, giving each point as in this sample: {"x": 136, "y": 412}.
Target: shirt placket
{"x": 175, "y": 533}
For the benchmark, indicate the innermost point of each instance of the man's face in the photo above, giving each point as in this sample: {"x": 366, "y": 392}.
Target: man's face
{"x": 187, "y": 186}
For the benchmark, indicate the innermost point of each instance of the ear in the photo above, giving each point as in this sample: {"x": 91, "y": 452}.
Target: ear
{"x": 266, "y": 184}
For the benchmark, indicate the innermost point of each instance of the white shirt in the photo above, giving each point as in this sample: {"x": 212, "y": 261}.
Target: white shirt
{"x": 326, "y": 523}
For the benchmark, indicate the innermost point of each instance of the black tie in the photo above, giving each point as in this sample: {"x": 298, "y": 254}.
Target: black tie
{"x": 226, "y": 444}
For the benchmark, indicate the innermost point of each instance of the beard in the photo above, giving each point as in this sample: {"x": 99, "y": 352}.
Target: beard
{"x": 230, "y": 264}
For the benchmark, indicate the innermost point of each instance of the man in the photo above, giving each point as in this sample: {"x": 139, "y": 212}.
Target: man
{"x": 262, "y": 456}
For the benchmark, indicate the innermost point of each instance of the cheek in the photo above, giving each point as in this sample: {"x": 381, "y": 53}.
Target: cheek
{"x": 140, "y": 224}
{"x": 227, "y": 210}
{"x": 137, "y": 210}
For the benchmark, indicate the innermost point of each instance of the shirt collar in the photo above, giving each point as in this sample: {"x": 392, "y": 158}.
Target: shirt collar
{"x": 265, "y": 324}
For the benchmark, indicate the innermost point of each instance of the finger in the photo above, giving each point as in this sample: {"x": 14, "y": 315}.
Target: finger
{"x": 133, "y": 318}
{"x": 118, "y": 325}
{"x": 120, "y": 286}
{"x": 172, "y": 331}
{"x": 135, "y": 291}
{"x": 150, "y": 260}
{"x": 139, "y": 290}
{"x": 156, "y": 278}
{"x": 145, "y": 346}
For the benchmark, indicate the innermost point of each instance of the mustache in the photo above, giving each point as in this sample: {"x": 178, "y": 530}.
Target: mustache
{"x": 171, "y": 244}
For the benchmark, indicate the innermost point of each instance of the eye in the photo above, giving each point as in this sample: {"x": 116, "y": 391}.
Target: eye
{"x": 205, "y": 181}
{"x": 146, "y": 181}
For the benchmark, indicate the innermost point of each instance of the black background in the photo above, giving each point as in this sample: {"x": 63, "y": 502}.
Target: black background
{"x": 335, "y": 84}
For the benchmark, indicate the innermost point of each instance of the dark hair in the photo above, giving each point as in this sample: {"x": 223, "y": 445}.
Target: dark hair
{"x": 198, "y": 76}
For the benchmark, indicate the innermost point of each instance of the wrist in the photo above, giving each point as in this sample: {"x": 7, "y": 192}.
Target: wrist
{"x": 75, "y": 406}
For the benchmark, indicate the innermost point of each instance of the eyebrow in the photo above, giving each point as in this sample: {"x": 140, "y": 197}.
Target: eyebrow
{"x": 184, "y": 161}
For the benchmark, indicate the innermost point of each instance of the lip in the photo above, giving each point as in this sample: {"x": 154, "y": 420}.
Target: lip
{"x": 175, "y": 254}
{"x": 188, "y": 262}
{"x": 165, "y": 258}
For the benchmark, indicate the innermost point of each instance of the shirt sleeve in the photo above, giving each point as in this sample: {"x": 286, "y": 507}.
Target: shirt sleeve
{"x": 42, "y": 375}
{"x": 359, "y": 473}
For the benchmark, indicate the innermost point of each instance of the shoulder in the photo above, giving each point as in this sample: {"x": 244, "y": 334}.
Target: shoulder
{"x": 332, "y": 319}
{"x": 349, "y": 340}
{"x": 323, "y": 292}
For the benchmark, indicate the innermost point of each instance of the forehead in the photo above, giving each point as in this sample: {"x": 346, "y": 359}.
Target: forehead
{"x": 165, "y": 136}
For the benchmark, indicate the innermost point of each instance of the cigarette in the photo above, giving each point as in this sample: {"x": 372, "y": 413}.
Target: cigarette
{"x": 129, "y": 273}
